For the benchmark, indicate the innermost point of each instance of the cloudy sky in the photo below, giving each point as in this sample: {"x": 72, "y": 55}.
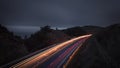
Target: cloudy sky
{"x": 29, "y": 15}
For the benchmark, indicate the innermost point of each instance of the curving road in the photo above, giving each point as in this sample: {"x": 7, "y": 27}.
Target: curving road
{"x": 54, "y": 57}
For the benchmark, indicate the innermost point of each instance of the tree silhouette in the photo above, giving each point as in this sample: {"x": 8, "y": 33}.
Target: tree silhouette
{"x": 46, "y": 29}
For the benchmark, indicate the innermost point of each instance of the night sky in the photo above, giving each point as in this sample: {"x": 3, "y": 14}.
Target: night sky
{"x": 27, "y": 16}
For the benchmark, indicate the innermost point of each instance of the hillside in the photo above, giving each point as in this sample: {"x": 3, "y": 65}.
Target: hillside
{"x": 100, "y": 51}
{"x": 92, "y": 29}
{"x": 45, "y": 37}
{"x": 11, "y": 46}
{"x": 74, "y": 31}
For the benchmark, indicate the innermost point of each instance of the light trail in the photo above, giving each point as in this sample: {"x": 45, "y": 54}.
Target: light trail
{"x": 39, "y": 57}
{"x": 71, "y": 57}
{"x": 63, "y": 55}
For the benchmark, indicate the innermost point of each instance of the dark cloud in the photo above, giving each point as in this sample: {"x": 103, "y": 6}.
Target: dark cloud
{"x": 59, "y": 13}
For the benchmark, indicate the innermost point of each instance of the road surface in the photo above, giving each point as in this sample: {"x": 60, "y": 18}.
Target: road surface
{"x": 54, "y": 57}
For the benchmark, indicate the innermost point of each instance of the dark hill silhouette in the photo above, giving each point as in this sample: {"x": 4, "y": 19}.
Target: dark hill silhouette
{"x": 92, "y": 29}
{"x": 45, "y": 37}
{"x": 102, "y": 50}
{"x": 74, "y": 31}
{"x": 11, "y": 47}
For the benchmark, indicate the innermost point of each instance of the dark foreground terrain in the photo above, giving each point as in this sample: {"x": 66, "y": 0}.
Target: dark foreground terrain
{"x": 102, "y": 50}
